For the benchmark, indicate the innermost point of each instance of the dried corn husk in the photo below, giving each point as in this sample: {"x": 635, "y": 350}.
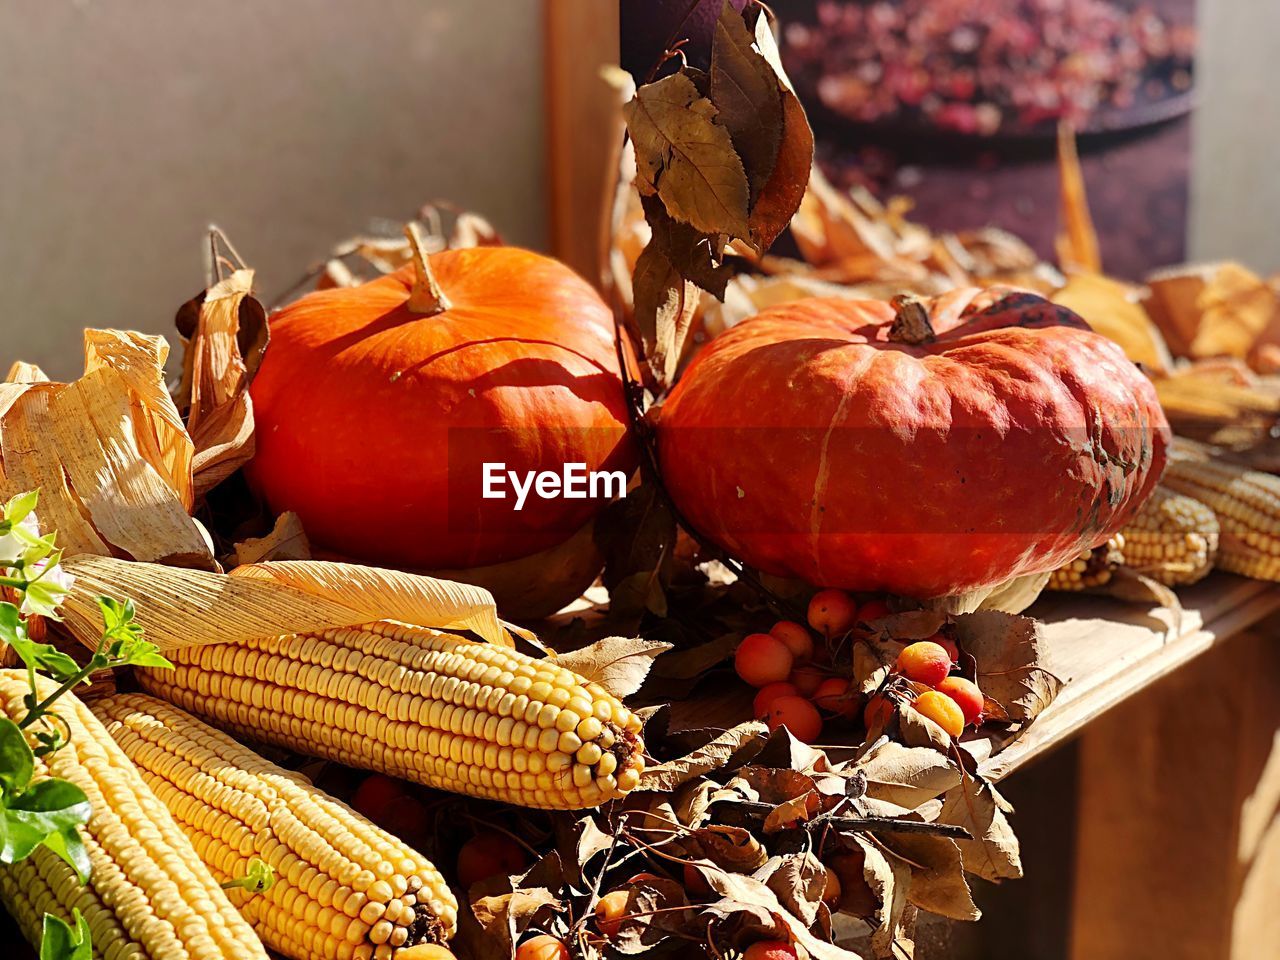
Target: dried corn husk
{"x": 108, "y": 452}
{"x": 178, "y": 607}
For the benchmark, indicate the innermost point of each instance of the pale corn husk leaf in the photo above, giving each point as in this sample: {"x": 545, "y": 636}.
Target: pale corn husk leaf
{"x": 1236, "y": 307}
{"x": 109, "y": 454}
{"x": 180, "y": 608}
{"x": 23, "y": 372}
{"x": 1011, "y": 596}
{"x": 391, "y": 595}
{"x": 1077, "y": 243}
{"x": 220, "y": 418}
{"x": 1114, "y": 309}
{"x": 286, "y": 541}
{"x": 619, "y": 664}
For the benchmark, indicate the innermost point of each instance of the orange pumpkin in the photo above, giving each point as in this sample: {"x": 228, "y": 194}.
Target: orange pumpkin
{"x": 377, "y": 406}
{"x": 938, "y": 449}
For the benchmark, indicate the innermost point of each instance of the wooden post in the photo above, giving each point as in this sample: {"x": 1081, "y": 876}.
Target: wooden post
{"x": 583, "y": 127}
{"x": 1179, "y": 814}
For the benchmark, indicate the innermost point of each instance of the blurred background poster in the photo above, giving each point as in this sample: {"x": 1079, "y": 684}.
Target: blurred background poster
{"x": 955, "y": 105}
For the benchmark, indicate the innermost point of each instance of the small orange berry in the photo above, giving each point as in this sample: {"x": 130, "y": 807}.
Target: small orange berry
{"x": 770, "y": 950}
{"x": 833, "y": 695}
{"x": 695, "y": 884}
{"x": 966, "y": 695}
{"x": 808, "y": 679}
{"x": 942, "y": 710}
{"x": 796, "y": 714}
{"x": 611, "y": 912}
{"x": 766, "y": 695}
{"x": 924, "y": 662}
{"x": 761, "y": 659}
{"x": 798, "y": 640}
{"x": 541, "y": 947}
{"x": 947, "y": 644}
{"x": 832, "y": 612}
{"x": 832, "y": 891}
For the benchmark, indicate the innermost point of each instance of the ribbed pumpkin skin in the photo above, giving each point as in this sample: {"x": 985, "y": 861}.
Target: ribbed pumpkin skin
{"x": 357, "y": 395}
{"x": 809, "y": 445}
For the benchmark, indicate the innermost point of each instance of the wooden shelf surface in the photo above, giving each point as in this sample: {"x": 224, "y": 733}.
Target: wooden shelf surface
{"x": 1104, "y": 649}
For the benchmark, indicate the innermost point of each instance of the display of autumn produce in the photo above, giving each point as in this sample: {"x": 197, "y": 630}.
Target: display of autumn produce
{"x": 384, "y": 401}
{"x": 923, "y": 448}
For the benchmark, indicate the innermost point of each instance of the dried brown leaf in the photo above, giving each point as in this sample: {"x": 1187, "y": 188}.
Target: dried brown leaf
{"x": 799, "y": 880}
{"x": 711, "y": 756}
{"x": 792, "y": 813}
{"x": 685, "y": 155}
{"x": 219, "y": 416}
{"x": 732, "y": 848}
{"x": 619, "y": 664}
{"x": 693, "y": 662}
{"x": 655, "y": 903}
{"x": 917, "y": 730}
{"x": 746, "y": 894}
{"x": 937, "y": 874}
{"x": 777, "y": 202}
{"x": 908, "y": 776}
{"x": 1007, "y": 648}
{"x": 504, "y": 917}
{"x": 993, "y": 853}
{"x": 873, "y": 659}
{"x": 748, "y": 96}
{"x": 665, "y": 304}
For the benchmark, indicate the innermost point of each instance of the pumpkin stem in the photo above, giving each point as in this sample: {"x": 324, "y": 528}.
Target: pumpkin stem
{"x": 426, "y": 297}
{"x": 911, "y": 324}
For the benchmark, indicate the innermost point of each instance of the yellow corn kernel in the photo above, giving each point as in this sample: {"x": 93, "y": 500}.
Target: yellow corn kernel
{"x": 148, "y": 894}
{"x": 1247, "y": 505}
{"x": 1173, "y": 539}
{"x": 420, "y": 704}
{"x": 1093, "y": 568}
{"x": 235, "y": 806}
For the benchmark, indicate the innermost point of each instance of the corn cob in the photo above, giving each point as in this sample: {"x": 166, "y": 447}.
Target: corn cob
{"x": 1093, "y": 568}
{"x": 345, "y": 889}
{"x": 148, "y": 897}
{"x": 430, "y": 707}
{"x": 1247, "y": 504}
{"x": 1173, "y": 539}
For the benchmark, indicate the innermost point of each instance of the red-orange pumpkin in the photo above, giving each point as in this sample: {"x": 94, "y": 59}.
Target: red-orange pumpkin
{"x": 376, "y": 406}
{"x": 944, "y": 448}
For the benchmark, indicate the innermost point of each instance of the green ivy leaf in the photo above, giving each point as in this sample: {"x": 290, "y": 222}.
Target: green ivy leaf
{"x": 38, "y": 656}
{"x": 145, "y": 655}
{"x": 17, "y": 763}
{"x": 69, "y": 845}
{"x": 50, "y": 812}
{"x": 19, "y": 507}
{"x": 59, "y": 942}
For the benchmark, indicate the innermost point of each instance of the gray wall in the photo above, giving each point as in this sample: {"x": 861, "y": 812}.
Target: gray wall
{"x": 126, "y": 126}
{"x": 1235, "y": 197}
